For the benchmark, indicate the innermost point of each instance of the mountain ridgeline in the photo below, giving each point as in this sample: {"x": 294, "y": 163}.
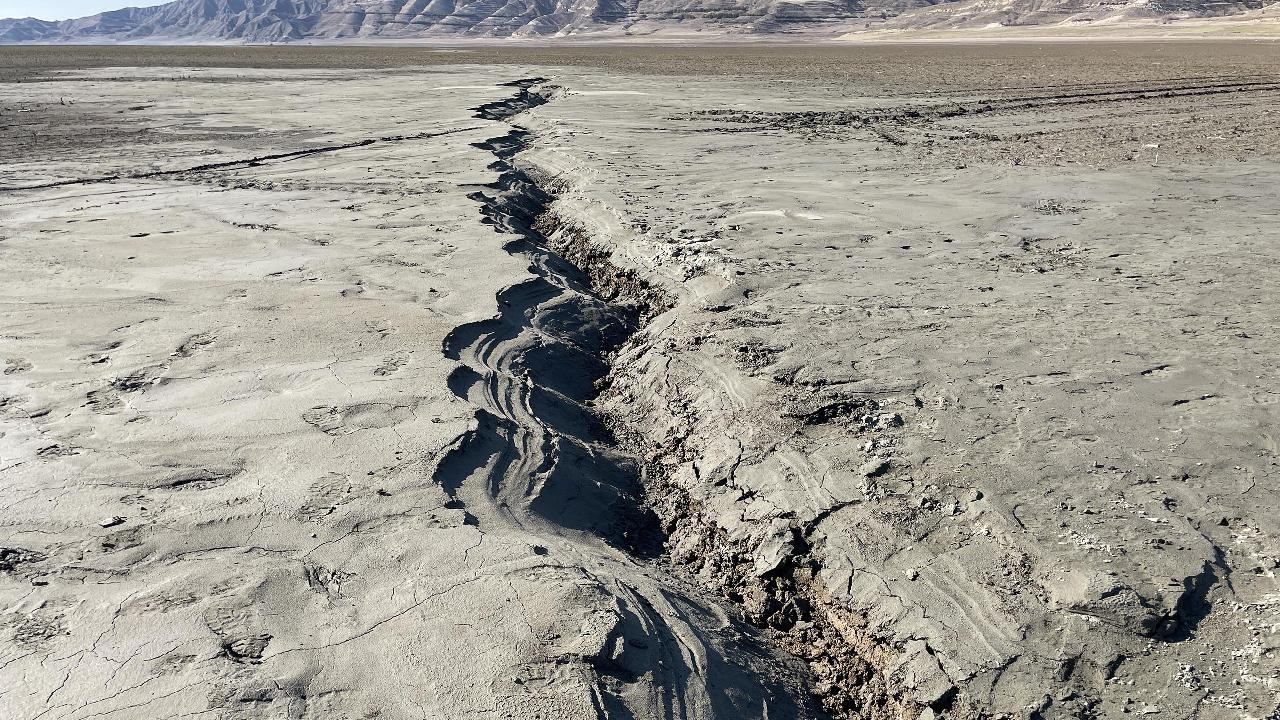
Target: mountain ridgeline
{"x": 263, "y": 21}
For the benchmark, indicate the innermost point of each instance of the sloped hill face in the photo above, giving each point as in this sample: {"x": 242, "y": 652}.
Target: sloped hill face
{"x": 26, "y": 30}
{"x": 282, "y": 20}
{"x": 257, "y": 20}
{"x": 286, "y": 20}
{"x": 980, "y": 13}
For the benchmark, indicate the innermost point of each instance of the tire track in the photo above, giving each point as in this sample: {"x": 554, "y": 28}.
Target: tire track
{"x": 237, "y": 164}
{"x": 924, "y": 113}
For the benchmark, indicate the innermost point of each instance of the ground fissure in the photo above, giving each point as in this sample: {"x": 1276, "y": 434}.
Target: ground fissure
{"x": 849, "y": 668}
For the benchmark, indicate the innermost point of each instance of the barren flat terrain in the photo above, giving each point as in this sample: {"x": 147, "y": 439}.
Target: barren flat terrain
{"x": 930, "y": 381}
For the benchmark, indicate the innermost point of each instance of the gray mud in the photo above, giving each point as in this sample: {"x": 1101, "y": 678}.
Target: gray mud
{"x": 690, "y": 383}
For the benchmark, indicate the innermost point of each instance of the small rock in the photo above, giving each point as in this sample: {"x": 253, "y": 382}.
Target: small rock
{"x": 111, "y": 521}
{"x": 874, "y": 467}
{"x": 889, "y": 420}
{"x": 772, "y": 553}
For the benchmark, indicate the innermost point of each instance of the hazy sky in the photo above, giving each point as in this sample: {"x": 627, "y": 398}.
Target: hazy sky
{"x": 63, "y": 9}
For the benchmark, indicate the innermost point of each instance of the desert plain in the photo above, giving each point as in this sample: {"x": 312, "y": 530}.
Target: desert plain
{"x": 852, "y": 381}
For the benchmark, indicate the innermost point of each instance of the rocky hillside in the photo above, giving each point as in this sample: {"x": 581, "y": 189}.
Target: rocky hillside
{"x": 291, "y": 20}
{"x": 285, "y": 20}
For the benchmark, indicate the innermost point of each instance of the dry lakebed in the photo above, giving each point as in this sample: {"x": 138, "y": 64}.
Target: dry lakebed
{"x": 877, "y": 382}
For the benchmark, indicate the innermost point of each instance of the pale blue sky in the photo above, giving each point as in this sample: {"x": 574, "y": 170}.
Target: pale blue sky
{"x": 63, "y": 9}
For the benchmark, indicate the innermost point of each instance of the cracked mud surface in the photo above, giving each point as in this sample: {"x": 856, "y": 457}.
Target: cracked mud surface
{"x": 1003, "y": 425}
{"x": 550, "y": 391}
{"x": 238, "y": 427}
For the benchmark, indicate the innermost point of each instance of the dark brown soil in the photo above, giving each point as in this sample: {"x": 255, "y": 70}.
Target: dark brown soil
{"x": 909, "y": 69}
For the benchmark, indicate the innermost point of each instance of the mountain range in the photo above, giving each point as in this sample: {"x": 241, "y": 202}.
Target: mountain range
{"x": 263, "y": 21}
